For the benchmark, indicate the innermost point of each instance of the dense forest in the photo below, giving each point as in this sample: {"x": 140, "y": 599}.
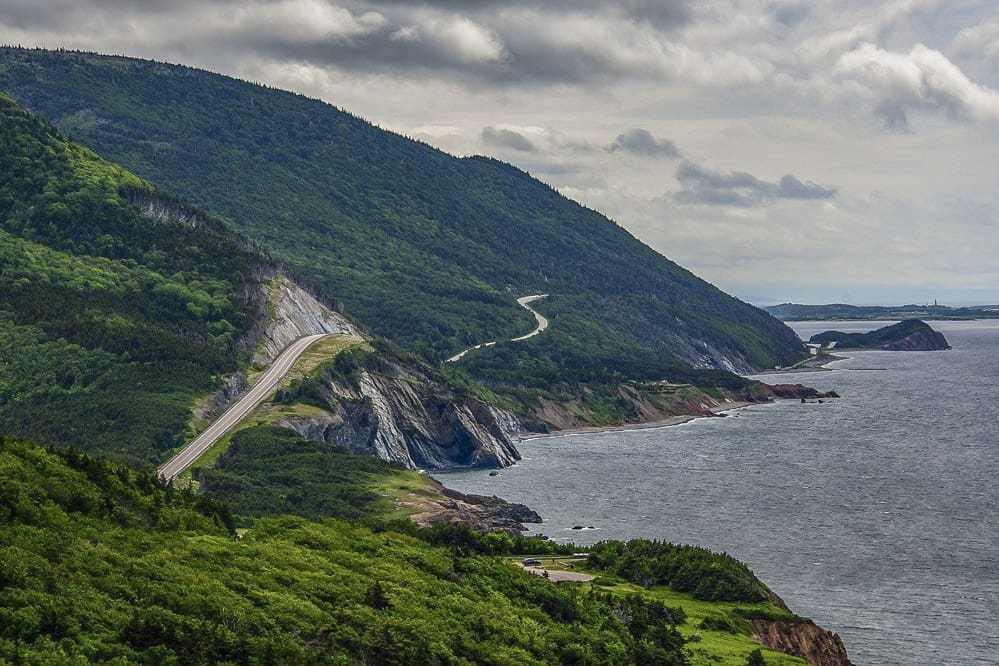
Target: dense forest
{"x": 102, "y": 562}
{"x": 424, "y": 248}
{"x": 112, "y": 322}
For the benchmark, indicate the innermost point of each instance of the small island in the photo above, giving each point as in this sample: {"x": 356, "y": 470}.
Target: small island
{"x": 907, "y": 335}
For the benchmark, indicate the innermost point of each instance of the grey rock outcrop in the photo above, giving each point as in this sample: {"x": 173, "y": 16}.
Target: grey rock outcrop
{"x": 398, "y": 419}
{"x": 295, "y": 313}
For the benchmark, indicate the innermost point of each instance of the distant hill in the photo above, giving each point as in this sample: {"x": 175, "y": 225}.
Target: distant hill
{"x": 907, "y": 335}
{"x": 422, "y": 247}
{"x": 795, "y": 312}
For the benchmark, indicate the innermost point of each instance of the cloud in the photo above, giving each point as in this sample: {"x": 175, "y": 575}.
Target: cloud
{"x": 661, "y": 13}
{"x": 709, "y": 187}
{"x": 922, "y": 79}
{"x": 506, "y": 138}
{"x": 640, "y": 141}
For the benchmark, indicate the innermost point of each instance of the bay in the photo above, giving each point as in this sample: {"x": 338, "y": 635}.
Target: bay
{"x": 875, "y": 514}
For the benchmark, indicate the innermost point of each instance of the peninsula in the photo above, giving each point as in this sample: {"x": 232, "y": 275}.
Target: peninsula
{"x": 907, "y": 335}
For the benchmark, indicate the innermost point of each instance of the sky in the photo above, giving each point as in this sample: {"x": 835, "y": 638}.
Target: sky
{"x": 810, "y": 151}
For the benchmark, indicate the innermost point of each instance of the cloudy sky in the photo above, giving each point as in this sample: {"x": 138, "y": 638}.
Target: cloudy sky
{"x": 805, "y": 150}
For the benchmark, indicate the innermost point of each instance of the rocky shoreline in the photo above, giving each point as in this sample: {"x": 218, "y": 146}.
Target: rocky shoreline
{"x": 771, "y": 392}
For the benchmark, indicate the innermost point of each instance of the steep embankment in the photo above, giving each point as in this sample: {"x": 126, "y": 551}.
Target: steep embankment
{"x": 907, "y": 335}
{"x": 377, "y": 401}
{"x": 424, "y": 248}
{"x": 817, "y": 646}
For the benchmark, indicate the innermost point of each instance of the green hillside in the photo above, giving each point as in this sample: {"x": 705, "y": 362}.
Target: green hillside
{"x": 103, "y": 563}
{"x": 111, "y": 323}
{"x": 424, "y": 248}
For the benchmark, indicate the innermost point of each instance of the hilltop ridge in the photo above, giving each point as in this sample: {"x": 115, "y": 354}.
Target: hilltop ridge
{"x": 424, "y": 248}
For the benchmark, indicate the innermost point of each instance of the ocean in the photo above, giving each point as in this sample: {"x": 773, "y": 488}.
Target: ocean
{"x": 874, "y": 514}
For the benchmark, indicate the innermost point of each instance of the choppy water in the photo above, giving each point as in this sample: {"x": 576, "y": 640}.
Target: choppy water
{"x": 875, "y": 515}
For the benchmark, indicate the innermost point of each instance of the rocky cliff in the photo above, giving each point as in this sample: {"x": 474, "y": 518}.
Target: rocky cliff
{"x": 922, "y": 340}
{"x": 392, "y": 412}
{"x": 294, "y": 313}
{"x": 817, "y": 646}
{"x": 389, "y": 408}
{"x": 487, "y": 514}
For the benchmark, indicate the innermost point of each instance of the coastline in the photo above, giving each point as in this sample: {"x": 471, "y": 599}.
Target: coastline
{"x": 816, "y": 363}
{"x": 718, "y": 410}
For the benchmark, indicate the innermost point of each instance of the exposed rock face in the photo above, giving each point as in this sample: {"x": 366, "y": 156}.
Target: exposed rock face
{"x": 921, "y": 340}
{"x": 811, "y": 642}
{"x": 479, "y": 512}
{"x": 295, "y": 313}
{"x": 232, "y": 387}
{"x": 402, "y": 420}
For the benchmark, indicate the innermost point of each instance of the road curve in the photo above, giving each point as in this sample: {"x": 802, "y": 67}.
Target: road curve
{"x": 266, "y": 385}
{"x": 542, "y": 322}
{"x": 523, "y": 301}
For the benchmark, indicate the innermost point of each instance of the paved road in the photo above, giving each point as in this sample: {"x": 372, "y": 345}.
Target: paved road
{"x": 542, "y": 322}
{"x": 523, "y": 301}
{"x": 266, "y": 385}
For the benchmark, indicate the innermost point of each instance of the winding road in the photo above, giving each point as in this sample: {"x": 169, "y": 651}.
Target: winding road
{"x": 266, "y": 385}
{"x": 523, "y": 301}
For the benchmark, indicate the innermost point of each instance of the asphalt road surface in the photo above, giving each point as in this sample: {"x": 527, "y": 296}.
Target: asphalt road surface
{"x": 523, "y": 301}
{"x": 266, "y": 385}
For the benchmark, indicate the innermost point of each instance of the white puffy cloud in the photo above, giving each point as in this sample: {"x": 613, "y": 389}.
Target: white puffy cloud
{"x": 923, "y": 78}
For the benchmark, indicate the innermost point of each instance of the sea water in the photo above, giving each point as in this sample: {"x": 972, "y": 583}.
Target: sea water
{"x": 874, "y": 514}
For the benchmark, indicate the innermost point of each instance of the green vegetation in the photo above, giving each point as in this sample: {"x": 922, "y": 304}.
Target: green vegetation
{"x": 424, "y": 248}
{"x": 716, "y": 633}
{"x": 99, "y": 562}
{"x": 111, "y": 321}
{"x": 267, "y": 471}
{"x": 699, "y": 572}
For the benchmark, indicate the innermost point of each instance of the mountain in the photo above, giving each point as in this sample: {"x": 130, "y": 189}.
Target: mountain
{"x": 907, "y": 335}
{"x": 424, "y": 248}
{"x": 111, "y": 322}
{"x": 128, "y": 319}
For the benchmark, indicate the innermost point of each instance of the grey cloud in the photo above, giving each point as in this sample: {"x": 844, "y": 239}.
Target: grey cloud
{"x": 507, "y": 139}
{"x": 789, "y": 13}
{"x": 661, "y": 13}
{"x": 738, "y": 188}
{"x": 790, "y": 187}
{"x": 641, "y": 142}
{"x": 894, "y": 117}
{"x": 922, "y": 79}
{"x": 480, "y": 42}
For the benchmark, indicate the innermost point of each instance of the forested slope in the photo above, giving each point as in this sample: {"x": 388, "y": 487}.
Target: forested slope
{"x": 422, "y": 247}
{"x": 100, "y": 562}
{"x": 112, "y": 322}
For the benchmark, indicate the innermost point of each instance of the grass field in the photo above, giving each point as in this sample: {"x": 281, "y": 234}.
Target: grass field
{"x": 705, "y": 646}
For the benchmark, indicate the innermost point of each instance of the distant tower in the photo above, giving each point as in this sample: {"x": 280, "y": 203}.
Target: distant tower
{"x": 934, "y": 302}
